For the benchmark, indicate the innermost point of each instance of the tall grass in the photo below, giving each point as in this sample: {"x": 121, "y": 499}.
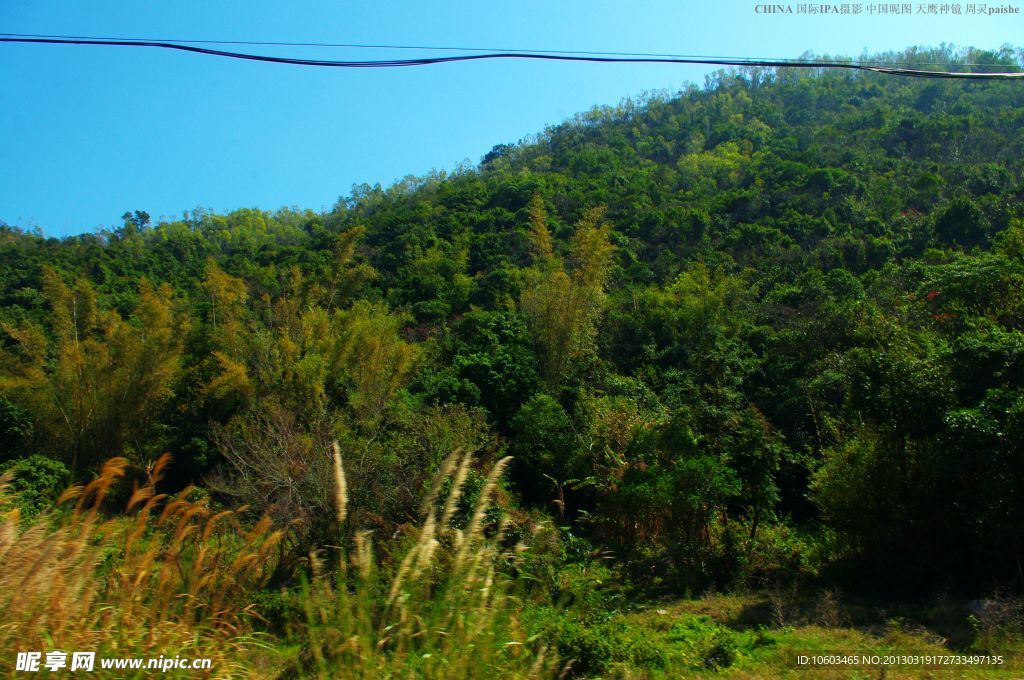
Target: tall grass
{"x": 447, "y": 610}
{"x": 170, "y": 576}
{"x": 173, "y": 578}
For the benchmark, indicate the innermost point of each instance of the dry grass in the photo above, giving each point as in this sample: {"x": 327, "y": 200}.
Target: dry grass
{"x": 169, "y": 578}
{"x": 447, "y": 611}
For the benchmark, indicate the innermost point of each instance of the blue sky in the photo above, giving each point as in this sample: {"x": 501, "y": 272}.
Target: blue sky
{"x": 87, "y": 133}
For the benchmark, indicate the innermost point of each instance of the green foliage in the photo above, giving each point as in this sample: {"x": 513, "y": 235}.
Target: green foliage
{"x": 34, "y": 483}
{"x": 962, "y": 223}
{"x": 703, "y": 642}
{"x": 732, "y": 333}
{"x": 492, "y": 365}
{"x": 544, "y": 439}
{"x": 594, "y": 649}
{"x": 16, "y": 426}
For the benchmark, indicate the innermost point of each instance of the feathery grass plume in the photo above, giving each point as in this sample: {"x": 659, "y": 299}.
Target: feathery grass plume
{"x": 316, "y": 565}
{"x": 132, "y": 585}
{"x": 451, "y": 504}
{"x": 537, "y": 668}
{"x": 403, "y": 569}
{"x": 475, "y": 525}
{"x": 112, "y": 470}
{"x": 443, "y": 473}
{"x": 441, "y": 616}
{"x": 364, "y": 554}
{"x": 340, "y": 486}
{"x": 425, "y": 547}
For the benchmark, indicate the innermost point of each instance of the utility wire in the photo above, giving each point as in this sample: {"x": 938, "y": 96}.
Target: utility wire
{"x": 449, "y": 48}
{"x": 549, "y": 56}
{"x": 438, "y": 48}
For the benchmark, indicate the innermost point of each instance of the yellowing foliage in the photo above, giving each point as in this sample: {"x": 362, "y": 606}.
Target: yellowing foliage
{"x": 562, "y": 305}
{"x": 227, "y": 295}
{"x": 96, "y": 388}
{"x": 374, "y": 355}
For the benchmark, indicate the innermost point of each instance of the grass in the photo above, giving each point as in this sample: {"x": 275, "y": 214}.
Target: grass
{"x": 170, "y": 576}
{"x": 448, "y": 610}
{"x": 173, "y": 578}
{"x": 737, "y": 636}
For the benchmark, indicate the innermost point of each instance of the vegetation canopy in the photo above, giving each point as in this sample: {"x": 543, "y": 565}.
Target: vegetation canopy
{"x": 681, "y": 387}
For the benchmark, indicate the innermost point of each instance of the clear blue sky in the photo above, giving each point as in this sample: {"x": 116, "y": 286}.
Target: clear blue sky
{"x": 87, "y": 133}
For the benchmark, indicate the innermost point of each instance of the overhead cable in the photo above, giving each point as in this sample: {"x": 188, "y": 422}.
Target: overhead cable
{"x": 443, "y": 48}
{"x": 543, "y": 56}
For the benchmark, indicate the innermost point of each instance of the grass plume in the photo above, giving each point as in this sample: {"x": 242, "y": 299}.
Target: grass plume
{"x": 340, "y": 486}
{"x": 171, "y": 575}
{"x": 449, "y": 610}
{"x": 144, "y": 583}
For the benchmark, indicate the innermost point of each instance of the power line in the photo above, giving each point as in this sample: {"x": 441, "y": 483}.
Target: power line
{"x": 439, "y": 48}
{"x": 545, "y": 56}
{"x": 449, "y": 48}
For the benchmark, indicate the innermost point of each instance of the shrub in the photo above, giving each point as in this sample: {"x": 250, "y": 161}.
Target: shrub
{"x": 704, "y": 643}
{"x": 35, "y": 482}
{"x": 593, "y": 649}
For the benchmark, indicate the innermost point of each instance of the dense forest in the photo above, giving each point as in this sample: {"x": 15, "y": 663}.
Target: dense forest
{"x": 764, "y": 335}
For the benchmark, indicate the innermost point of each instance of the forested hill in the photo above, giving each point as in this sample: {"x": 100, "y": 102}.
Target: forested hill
{"x": 769, "y": 325}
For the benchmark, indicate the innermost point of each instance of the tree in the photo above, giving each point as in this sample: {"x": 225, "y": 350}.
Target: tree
{"x": 962, "y": 223}
{"x": 374, "y": 356}
{"x": 100, "y": 394}
{"x": 562, "y": 304}
{"x": 227, "y": 295}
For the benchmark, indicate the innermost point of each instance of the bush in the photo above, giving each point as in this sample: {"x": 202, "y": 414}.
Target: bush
{"x": 780, "y": 553}
{"x": 15, "y": 429}
{"x": 35, "y": 482}
{"x": 590, "y": 588}
{"x": 704, "y": 643}
{"x": 998, "y": 622}
{"x": 593, "y": 649}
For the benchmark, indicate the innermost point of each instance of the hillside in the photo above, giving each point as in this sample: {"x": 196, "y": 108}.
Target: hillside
{"x": 761, "y": 336}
